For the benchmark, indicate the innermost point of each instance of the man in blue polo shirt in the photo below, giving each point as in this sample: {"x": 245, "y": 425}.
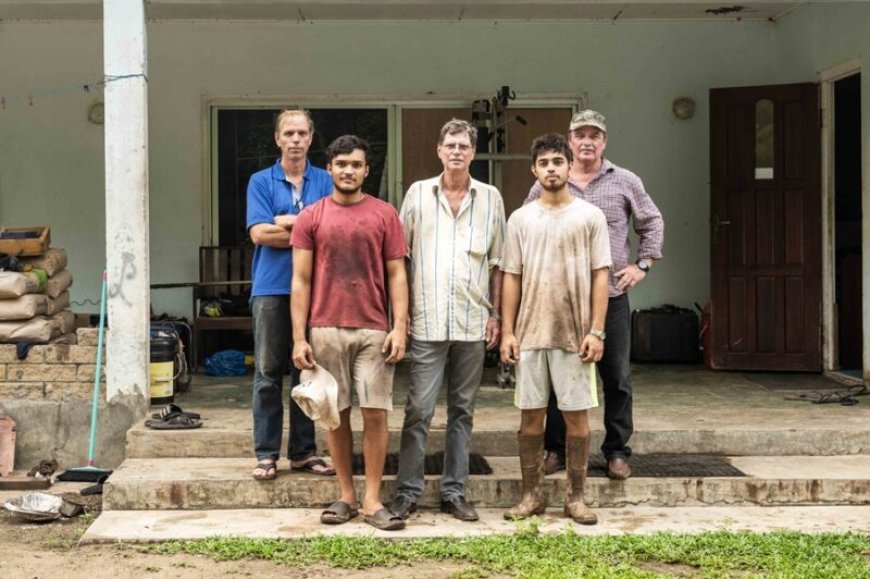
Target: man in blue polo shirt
{"x": 275, "y": 197}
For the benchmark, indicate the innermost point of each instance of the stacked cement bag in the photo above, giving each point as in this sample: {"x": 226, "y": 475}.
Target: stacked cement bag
{"x": 34, "y": 305}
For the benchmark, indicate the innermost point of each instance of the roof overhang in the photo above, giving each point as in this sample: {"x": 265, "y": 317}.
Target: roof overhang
{"x": 410, "y": 10}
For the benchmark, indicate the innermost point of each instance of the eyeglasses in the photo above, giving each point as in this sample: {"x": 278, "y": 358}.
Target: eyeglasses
{"x": 298, "y": 204}
{"x": 461, "y": 147}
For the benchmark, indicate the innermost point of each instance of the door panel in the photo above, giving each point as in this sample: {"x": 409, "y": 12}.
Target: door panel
{"x": 765, "y": 228}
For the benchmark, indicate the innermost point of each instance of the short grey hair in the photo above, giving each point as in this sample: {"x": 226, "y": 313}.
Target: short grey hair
{"x": 456, "y": 126}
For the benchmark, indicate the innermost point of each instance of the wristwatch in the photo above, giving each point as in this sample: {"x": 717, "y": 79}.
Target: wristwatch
{"x": 642, "y": 265}
{"x": 600, "y": 334}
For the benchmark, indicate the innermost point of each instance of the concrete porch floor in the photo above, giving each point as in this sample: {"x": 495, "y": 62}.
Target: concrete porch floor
{"x": 678, "y": 408}
{"x": 807, "y": 465}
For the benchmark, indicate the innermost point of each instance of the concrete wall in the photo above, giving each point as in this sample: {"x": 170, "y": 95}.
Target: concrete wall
{"x": 49, "y": 396}
{"x": 51, "y": 158}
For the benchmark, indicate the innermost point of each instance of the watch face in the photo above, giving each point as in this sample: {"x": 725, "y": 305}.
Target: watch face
{"x": 644, "y": 266}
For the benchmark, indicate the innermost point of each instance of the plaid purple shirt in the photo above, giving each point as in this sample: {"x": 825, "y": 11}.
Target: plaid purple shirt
{"x": 620, "y": 195}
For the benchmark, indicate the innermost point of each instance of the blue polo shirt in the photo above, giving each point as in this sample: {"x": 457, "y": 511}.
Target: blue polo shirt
{"x": 270, "y": 194}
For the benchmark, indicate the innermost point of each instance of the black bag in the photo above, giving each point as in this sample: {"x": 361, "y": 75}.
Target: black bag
{"x": 665, "y": 334}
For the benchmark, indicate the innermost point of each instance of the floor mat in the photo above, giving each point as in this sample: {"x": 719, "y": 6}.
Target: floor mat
{"x": 433, "y": 464}
{"x": 779, "y": 381}
{"x": 671, "y": 465}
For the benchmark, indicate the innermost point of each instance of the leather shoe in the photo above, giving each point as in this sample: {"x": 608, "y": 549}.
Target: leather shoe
{"x": 552, "y": 463}
{"x": 618, "y": 469}
{"x": 403, "y": 506}
{"x": 459, "y": 508}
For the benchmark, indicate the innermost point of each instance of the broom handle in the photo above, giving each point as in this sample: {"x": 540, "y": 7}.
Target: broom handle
{"x": 96, "y": 403}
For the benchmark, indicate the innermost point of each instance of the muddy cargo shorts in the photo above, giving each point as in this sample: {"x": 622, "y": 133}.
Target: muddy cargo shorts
{"x": 353, "y": 356}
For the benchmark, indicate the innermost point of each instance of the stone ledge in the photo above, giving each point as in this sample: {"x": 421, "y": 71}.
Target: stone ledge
{"x": 90, "y": 336}
{"x": 8, "y": 355}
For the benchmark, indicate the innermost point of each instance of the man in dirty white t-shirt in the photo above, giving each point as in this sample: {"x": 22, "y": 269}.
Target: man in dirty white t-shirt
{"x": 554, "y": 302}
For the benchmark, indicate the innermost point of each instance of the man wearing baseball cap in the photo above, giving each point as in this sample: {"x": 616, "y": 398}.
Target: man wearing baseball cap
{"x": 620, "y": 194}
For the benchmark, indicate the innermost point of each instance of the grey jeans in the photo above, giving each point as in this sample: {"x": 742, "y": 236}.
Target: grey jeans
{"x": 462, "y": 363}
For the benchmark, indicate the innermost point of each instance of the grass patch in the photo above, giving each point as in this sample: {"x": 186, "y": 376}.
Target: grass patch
{"x": 527, "y": 554}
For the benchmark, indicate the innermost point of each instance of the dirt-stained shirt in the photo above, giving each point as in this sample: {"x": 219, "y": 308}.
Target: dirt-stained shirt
{"x": 555, "y": 251}
{"x": 351, "y": 245}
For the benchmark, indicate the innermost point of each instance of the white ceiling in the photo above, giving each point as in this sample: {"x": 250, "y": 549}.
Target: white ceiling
{"x": 404, "y": 10}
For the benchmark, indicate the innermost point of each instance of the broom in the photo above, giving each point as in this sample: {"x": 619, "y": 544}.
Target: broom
{"x": 90, "y": 473}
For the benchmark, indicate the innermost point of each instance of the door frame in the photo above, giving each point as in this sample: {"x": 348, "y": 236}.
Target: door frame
{"x": 827, "y": 78}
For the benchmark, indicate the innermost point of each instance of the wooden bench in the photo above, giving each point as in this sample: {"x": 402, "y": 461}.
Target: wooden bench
{"x": 223, "y": 272}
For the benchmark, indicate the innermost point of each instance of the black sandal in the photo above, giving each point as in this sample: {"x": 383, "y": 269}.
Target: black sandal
{"x": 174, "y": 421}
{"x": 338, "y": 513}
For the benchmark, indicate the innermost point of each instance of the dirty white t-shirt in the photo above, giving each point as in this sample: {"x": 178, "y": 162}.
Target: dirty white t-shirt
{"x": 555, "y": 251}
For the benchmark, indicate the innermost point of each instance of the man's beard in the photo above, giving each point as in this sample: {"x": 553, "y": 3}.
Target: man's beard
{"x": 346, "y": 190}
{"x": 554, "y": 187}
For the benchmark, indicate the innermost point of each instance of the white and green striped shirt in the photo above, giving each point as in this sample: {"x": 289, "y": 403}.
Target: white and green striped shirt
{"x": 451, "y": 258}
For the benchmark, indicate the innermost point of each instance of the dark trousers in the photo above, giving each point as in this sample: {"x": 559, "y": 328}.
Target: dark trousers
{"x": 272, "y": 343}
{"x": 615, "y": 370}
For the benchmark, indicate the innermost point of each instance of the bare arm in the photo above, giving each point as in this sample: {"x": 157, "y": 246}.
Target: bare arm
{"x": 493, "y": 324}
{"x": 397, "y": 282}
{"x": 300, "y": 303}
{"x": 592, "y": 347}
{"x": 511, "y": 292}
{"x": 271, "y": 234}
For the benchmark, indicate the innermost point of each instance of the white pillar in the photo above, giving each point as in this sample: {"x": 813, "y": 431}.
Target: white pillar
{"x": 126, "y": 157}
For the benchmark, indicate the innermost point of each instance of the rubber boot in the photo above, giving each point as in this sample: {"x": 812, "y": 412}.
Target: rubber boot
{"x": 532, "y": 466}
{"x": 576, "y": 459}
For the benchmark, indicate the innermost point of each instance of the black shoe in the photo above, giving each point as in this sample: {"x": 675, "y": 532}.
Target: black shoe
{"x": 403, "y": 506}
{"x": 459, "y": 508}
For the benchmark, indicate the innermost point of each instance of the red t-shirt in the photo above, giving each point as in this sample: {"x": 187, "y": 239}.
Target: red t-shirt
{"x": 351, "y": 245}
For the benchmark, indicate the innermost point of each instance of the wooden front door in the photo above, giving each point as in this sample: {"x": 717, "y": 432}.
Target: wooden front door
{"x": 765, "y": 228}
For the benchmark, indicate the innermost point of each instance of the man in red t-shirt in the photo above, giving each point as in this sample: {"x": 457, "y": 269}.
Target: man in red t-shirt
{"x": 348, "y": 257}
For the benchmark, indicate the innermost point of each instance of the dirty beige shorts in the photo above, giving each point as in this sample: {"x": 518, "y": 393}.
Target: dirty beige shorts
{"x": 574, "y": 383}
{"x": 353, "y": 356}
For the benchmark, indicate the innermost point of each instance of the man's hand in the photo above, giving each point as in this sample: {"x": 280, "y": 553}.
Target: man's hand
{"x": 286, "y": 221}
{"x": 303, "y": 355}
{"x": 591, "y": 348}
{"x": 510, "y": 349}
{"x": 628, "y": 277}
{"x": 493, "y": 333}
{"x": 395, "y": 345}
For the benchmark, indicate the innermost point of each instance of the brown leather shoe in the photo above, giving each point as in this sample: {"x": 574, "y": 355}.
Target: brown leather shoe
{"x": 618, "y": 469}
{"x": 552, "y": 463}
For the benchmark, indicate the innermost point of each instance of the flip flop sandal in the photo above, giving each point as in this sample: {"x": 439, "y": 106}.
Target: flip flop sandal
{"x": 337, "y": 513}
{"x": 174, "y": 422}
{"x": 309, "y": 467}
{"x": 173, "y": 409}
{"x": 270, "y": 468}
{"x": 384, "y": 520}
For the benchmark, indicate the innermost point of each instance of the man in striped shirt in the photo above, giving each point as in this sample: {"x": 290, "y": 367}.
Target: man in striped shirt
{"x": 454, "y": 227}
{"x": 620, "y": 194}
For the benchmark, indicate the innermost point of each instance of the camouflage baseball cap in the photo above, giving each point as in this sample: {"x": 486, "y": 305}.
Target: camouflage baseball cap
{"x": 588, "y": 118}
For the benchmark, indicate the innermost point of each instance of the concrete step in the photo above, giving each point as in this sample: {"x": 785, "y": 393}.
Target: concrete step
{"x": 225, "y": 483}
{"x": 227, "y": 433}
{"x": 171, "y": 525}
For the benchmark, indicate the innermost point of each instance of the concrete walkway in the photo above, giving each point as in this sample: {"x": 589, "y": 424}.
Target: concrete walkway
{"x": 146, "y": 526}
